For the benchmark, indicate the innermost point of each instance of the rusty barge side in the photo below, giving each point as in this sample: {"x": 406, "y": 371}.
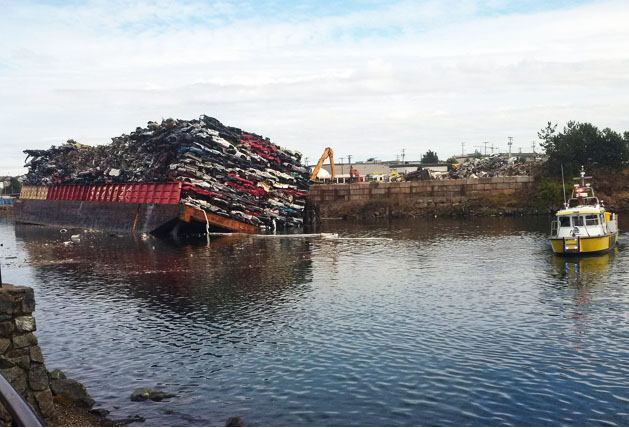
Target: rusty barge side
{"x": 122, "y": 208}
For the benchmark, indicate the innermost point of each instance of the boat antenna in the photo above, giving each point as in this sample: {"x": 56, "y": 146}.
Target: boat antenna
{"x": 563, "y": 184}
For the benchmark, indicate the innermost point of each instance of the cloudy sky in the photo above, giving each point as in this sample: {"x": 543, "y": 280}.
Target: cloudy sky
{"x": 367, "y": 78}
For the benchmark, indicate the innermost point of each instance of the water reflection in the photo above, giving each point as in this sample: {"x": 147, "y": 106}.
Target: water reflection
{"x": 181, "y": 270}
{"x": 584, "y": 271}
{"x": 585, "y": 275}
{"x": 169, "y": 273}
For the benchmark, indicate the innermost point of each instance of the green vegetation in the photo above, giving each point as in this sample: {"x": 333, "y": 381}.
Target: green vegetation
{"x": 14, "y": 186}
{"x": 548, "y": 194}
{"x": 430, "y": 157}
{"x": 583, "y": 144}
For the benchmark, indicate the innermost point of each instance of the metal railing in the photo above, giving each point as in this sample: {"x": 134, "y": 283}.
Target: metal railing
{"x": 19, "y": 410}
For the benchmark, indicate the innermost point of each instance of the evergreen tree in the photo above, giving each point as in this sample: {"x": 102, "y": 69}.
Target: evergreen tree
{"x": 583, "y": 144}
{"x": 430, "y": 157}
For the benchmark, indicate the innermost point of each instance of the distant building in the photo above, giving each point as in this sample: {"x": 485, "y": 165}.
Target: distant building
{"x": 404, "y": 167}
{"x": 377, "y": 171}
{"x": 365, "y": 169}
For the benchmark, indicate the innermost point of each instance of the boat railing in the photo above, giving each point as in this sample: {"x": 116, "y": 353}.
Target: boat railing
{"x": 588, "y": 201}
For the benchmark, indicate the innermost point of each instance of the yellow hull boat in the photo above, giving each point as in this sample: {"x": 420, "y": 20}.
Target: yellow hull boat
{"x": 584, "y": 226}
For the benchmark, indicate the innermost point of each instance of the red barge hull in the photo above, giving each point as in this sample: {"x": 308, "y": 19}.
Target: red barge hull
{"x": 121, "y": 208}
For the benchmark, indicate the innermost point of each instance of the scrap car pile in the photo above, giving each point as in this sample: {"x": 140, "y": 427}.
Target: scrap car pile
{"x": 224, "y": 170}
{"x": 491, "y": 166}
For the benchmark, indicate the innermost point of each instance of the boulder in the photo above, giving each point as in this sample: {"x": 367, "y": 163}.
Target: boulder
{"x": 100, "y": 412}
{"x": 143, "y": 394}
{"x": 234, "y": 421}
{"x": 70, "y": 391}
{"x": 56, "y": 374}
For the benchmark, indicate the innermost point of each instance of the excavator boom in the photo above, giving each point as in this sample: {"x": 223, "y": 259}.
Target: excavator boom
{"x": 326, "y": 153}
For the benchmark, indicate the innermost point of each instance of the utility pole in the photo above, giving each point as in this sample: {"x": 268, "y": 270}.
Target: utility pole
{"x": 306, "y": 160}
{"x": 403, "y": 155}
{"x": 485, "y": 143}
{"x": 349, "y": 159}
{"x": 462, "y": 149}
{"x": 510, "y": 143}
{"x": 492, "y": 149}
{"x": 533, "y": 146}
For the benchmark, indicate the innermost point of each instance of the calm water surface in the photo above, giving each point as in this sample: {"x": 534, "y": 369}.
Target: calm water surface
{"x": 424, "y": 322}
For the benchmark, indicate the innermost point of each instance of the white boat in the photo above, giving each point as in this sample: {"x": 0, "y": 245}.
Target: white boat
{"x": 584, "y": 226}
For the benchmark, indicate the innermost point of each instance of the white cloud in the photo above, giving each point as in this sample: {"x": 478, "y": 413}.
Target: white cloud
{"x": 408, "y": 75}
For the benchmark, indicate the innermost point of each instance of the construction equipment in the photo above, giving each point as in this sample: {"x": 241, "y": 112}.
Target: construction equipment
{"x": 353, "y": 173}
{"x": 326, "y": 153}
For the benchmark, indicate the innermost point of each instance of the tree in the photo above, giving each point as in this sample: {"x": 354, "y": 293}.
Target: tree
{"x": 583, "y": 144}
{"x": 430, "y": 157}
{"x": 14, "y": 186}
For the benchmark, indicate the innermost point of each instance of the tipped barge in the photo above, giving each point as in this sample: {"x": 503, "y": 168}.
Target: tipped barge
{"x": 152, "y": 208}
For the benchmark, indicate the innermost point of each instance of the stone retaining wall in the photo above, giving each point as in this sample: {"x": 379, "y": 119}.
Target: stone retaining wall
{"x": 21, "y": 359}
{"x": 422, "y": 193}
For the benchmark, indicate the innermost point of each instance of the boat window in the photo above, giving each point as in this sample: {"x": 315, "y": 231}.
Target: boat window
{"x": 564, "y": 221}
{"x": 591, "y": 220}
{"x": 578, "y": 221}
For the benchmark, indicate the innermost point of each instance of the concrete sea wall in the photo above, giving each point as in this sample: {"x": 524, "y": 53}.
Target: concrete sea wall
{"x": 416, "y": 197}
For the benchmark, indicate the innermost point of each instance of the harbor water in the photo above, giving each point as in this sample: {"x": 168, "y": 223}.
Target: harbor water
{"x": 405, "y": 323}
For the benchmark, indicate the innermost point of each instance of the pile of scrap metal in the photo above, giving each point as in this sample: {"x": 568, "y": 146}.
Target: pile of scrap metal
{"x": 224, "y": 170}
{"x": 490, "y": 166}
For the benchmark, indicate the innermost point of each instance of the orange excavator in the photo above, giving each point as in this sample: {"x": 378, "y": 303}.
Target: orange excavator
{"x": 326, "y": 153}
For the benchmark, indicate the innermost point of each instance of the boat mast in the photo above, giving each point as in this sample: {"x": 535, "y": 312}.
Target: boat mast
{"x": 583, "y": 177}
{"x": 563, "y": 184}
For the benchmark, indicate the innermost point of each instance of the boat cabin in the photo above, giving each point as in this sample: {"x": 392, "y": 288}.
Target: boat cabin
{"x": 583, "y": 215}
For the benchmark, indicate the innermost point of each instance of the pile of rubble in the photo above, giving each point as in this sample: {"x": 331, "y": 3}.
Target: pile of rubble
{"x": 225, "y": 170}
{"x": 491, "y": 166}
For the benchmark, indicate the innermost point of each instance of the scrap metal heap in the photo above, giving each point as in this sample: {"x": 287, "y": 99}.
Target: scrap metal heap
{"x": 490, "y": 166}
{"x": 224, "y": 170}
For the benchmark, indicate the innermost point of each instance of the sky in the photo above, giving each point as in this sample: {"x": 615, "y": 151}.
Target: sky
{"x": 370, "y": 79}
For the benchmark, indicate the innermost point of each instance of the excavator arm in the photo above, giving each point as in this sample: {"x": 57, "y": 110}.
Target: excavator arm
{"x": 326, "y": 153}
